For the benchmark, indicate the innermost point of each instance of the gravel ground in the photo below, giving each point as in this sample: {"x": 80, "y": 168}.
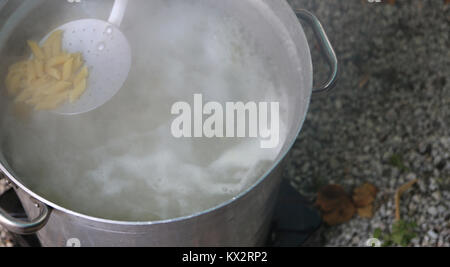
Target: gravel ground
{"x": 387, "y": 122}
{"x": 392, "y": 101}
{"x": 5, "y": 239}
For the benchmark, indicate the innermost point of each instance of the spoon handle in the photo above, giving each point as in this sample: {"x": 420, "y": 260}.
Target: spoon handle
{"x": 118, "y": 12}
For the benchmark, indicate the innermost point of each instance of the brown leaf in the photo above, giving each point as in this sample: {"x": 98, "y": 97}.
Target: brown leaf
{"x": 335, "y": 204}
{"x": 330, "y": 196}
{"x": 366, "y": 212}
{"x": 364, "y": 195}
{"x": 342, "y": 214}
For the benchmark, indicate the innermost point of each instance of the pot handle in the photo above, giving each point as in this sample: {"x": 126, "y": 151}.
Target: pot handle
{"x": 326, "y": 49}
{"x": 22, "y": 227}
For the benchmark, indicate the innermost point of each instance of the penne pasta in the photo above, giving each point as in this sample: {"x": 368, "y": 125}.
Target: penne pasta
{"x": 36, "y": 99}
{"x": 13, "y": 84}
{"x": 39, "y": 68}
{"x": 31, "y": 74}
{"x": 56, "y": 35}
{"x": 52, "y": 46}
{"x": 37, "y": 51}
{"x": 77, "y": 62}
{"x": 39, "y": 92}
{"x": 58, "y": 60}
{"x": 77, "y": 91}
{"x": 81, "y": 75}
{"x": 58, "y": 87}
{"x": 52, "y": 102}
{"x": 56, "y": 47}
{"x": 50, "y": 78}
{"x": 24, "y": 95}
{"x": 48, "y": 52}
{"x": 67, "y": 70}
{"x": 18, "y": 67}
{"x": 53, "y": 73}
{"x": 39, "y": 83}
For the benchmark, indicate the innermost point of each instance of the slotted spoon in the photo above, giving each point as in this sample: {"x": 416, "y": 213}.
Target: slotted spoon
{"x": 106, "y": 53}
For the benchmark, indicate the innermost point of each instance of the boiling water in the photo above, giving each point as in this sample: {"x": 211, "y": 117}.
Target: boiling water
{"x": 121, "y": 162}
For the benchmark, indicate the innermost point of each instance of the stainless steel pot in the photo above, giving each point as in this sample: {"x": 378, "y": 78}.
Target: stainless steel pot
{"x": 243, "y": 221}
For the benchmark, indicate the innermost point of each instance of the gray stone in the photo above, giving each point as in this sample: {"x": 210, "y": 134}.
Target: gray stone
{"x": 411, "y": 176}
{"x": 432, "y": 234}
{"x": 433, "y": 185}
{"x": 442, "y": 209}
{"x": 436, "y": 195}
{"x": 432, "y": 211}
{"x": 417, "y": 198}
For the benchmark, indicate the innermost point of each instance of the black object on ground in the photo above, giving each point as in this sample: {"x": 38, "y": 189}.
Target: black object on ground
{"x": 295, "y": 220}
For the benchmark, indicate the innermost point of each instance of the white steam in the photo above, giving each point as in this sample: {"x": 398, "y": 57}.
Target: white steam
{"x": 121, "y": 162}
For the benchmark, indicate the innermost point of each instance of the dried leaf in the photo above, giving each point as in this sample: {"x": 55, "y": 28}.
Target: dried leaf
{"x": 366, "y": 212}
{"x": 398, "y": 195}
{"x": 364, "y": 195}
{"x": 330, "y": 196}
{"x": 335, "y": 204}
{"x": 340, "y": 215}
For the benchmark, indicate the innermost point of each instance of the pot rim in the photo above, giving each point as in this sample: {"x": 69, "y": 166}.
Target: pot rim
{"x": 263, "y": 177}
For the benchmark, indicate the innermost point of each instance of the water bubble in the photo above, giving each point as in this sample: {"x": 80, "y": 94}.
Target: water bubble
{"x": 101, "y": 46}
{"x": 109, "y": 30}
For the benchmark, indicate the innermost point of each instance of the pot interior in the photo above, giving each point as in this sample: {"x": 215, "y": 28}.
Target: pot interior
{"x": 120, "y": 162}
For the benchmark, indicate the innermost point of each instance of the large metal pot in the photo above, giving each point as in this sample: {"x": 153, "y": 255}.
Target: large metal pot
{"x": 243, "y": 221}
